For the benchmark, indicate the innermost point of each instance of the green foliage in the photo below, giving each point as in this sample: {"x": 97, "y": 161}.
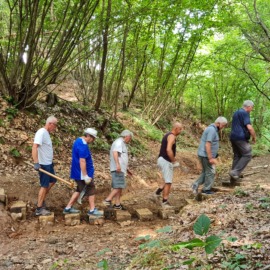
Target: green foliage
{"x": 150, "y": 131}
{"x": 60, "y": 264}
{"x": 103, "y": 264}
{"x": 15, "y": 152}
{"x": 201, "y": 228}
{"x": 239, "y": 192}
{"x": 236, "y": 262}
{"x": 202, "y": 225}
{"x": 11, "y": 112}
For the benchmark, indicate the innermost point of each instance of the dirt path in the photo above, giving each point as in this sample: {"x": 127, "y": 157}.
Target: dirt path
{"x": 24, "y": 245}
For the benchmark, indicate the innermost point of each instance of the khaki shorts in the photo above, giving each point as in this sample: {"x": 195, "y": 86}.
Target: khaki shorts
{"x": 166, "y": 168}
{"x": 118, "y": 180}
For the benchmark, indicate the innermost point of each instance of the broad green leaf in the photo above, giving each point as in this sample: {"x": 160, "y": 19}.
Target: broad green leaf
{"x": 202, "y": 225}
{"x": 103, "y": 264}
{"x": 190, "y": 244}
{"x": 151, "y": 244}
{"x": 189, "y": 262}
{"x": 232, "y": 239}
{"x": 212, "y": 242}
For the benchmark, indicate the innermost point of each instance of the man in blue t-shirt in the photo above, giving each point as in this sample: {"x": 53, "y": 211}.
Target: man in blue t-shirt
{"x": 240, "y": 135}
{"x": 82, "y": 171}
{"x": 207, "y": 154}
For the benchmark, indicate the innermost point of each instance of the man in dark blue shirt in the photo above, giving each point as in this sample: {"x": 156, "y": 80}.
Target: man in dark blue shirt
{"x": 241, "y": 132}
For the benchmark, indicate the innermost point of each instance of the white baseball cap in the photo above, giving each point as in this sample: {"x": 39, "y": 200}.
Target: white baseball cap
{"x": 91, "y": 132}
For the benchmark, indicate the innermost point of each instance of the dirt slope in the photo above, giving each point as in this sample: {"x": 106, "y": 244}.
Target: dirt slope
{"x": 242, "y": 213}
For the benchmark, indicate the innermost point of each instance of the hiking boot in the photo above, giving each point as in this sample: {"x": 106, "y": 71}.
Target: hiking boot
{"x": 71, "y": 211}
{"x": 107, "y": 203}
{"x": 194, "y": 189}
{"x": 208, "y": 192}
{"x": 42, "y": 212}
{"x": 95, "y": 212}
{"x": 119, "y": 207}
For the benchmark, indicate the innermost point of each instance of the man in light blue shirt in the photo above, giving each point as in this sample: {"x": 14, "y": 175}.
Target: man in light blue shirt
{"x": 207, "y": 153}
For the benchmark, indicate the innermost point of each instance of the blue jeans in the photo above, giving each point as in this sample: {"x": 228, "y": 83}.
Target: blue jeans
{"x": 207, "y": 176}
{"x": 241, "y": 156}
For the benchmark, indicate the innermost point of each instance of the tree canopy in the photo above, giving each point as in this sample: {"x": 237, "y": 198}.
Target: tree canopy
{"x": 163, "y": 56}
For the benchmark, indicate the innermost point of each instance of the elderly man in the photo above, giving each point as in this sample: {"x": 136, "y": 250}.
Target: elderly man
{"x": 82, "y": 171}
{"x": 207, "y": 153}
{"x": 240, "y": 135}
{"x": 42, "y": 153}
{"x": 166, "y": 160}
{"x": 119, "y": 168}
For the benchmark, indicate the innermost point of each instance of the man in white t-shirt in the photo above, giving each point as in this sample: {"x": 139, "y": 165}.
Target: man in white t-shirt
{"x": 119, "y": 168}
{"x": 42, "y": 153}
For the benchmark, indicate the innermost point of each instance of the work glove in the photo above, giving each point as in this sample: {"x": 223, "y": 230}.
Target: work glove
{"x": 37, "y": 166}
{"x": 87, "y": 180}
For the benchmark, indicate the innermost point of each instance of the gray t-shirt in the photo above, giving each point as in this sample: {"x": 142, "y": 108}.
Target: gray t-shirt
{"x": 210, "y": 134}
{"x": 120, "y": 146}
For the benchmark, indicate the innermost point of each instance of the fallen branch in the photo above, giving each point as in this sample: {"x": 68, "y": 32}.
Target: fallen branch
{"x": 262, "y": 166}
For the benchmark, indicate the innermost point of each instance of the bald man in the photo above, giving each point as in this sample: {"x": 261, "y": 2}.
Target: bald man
{"x": 166, "y": 160}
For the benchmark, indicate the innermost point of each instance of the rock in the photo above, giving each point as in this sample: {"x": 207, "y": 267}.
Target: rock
{"x": 144, "y": 214}
{"x": 72, "y": 219}
{"x": 47, "y": 220}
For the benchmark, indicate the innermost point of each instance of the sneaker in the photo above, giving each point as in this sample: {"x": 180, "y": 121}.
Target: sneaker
{"x": 43, "y": 204}
{"x": 166, "y": 203}
{"x": 95, "y": 212}
{"x": 119, "y": 207}
{"x": 208, "y": 192}
{"x": 107, "y": 203}
{"x": 158, "y": 192}
{"x": 194, "y": 189}
{"x": 42, "y": 212}
{"x": 233, "y": 177}
{"x": 71, "y": 211}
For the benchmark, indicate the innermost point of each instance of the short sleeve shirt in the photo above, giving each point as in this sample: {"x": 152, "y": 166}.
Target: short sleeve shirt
{"x": 240, "y": 121}
{"x": 45, "y": 149}
{"x": 80, "y": 149}
{"x": 119, "y": 146}
{"x": 210, "y": 134}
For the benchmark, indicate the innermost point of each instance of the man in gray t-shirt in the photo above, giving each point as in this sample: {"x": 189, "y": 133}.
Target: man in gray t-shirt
{"x": 119, "y": 168}
{"x": 207, "y": 153}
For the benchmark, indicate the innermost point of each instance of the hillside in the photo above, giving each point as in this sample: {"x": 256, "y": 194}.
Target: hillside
{"x": 241, "y": 213}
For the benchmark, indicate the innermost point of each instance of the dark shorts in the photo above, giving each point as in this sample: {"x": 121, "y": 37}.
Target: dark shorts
{"x": 118, "y": 180}
{"x": 90, "y": 189}
{"x": 45, "y": 179}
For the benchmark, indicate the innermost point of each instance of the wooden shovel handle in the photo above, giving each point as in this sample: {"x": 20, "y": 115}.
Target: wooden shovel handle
{"x": 70, "y": 184}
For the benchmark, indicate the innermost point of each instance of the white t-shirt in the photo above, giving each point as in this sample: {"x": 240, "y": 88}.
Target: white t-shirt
{"x": 45, "y": 149}
{"x": 120, "y": 146}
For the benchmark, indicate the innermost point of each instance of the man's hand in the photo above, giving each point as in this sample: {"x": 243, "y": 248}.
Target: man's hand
{"x": 37, "y": 166}
{"x": 87, "y": 179}
{"x": 213, "y": 161}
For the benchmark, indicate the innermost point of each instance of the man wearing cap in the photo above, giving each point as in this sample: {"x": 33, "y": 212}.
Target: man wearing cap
{"x": 82, "y": 171}
{"x": 241, "y": 132}
{"x": 119, "y": 168}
